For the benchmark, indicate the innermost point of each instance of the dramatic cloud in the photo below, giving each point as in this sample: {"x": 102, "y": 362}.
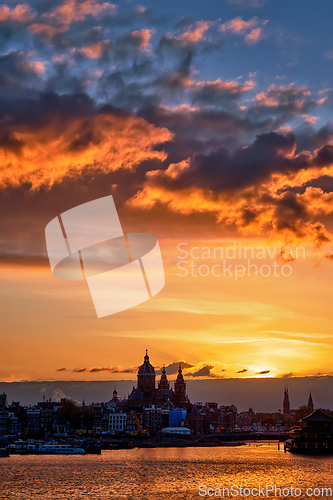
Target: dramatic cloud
{"x": 251, "y": 190}
{"x": 217, "y": 92}
{"x": 205, "y": 371}
{"x": 42, "y": 141}
{"x": 287, "y": 375}
{"x": 231, "y": 148}
{"x": 18, "y": 68}
{"x": 251, "y": 30}
{"x": 283, "y": 99}
{"x": 173, "y": 368}
{"x": 114, "y": 369}
{"x": 72, "y": 10}
{"x": 188, "y": 39}
{"x": 111, "y": 369}
{"x": 21, "y": 13}
{"x": 264, "y": 372}
{"x": 64, "y": 369}
{"x": 242, "y": 371}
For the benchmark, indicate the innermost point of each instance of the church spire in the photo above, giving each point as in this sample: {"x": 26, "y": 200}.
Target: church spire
{"x": 286, "y": 402}
{"x": 310, "y": 402}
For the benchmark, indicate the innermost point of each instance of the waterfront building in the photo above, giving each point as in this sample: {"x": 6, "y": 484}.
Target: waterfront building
{"x": 3, "y": 401}
{"x": 33, "y": 420}
{"x": 195, "y": 420}
{"x": 4, "y": 415}
{"x": 244, "y": 419}
{"x": 132, "y": 421}
{"x": 228, "y": 417}
{"x": 116, "y": 421}
{"x": 97, "y": 411}
{"x": 175, "y": 417}
{"x": 314, "y": 436}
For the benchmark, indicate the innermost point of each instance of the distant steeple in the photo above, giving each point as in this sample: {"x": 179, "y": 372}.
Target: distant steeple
{"x": 310, "y": 402}
{"x": 286, "y": 403}
{"x": 115, "y": 395}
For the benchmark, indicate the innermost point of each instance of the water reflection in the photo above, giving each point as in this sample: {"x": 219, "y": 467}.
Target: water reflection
{"x": 158, "y": 474}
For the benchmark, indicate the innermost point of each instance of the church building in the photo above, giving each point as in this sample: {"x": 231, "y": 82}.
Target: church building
{"x": 146, "y": 393}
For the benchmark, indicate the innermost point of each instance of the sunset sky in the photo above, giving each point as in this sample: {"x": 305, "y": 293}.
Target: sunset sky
{"x": 210, "y": 124}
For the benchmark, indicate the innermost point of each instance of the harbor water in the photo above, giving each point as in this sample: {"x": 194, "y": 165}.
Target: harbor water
{"x": 166, "y": 474}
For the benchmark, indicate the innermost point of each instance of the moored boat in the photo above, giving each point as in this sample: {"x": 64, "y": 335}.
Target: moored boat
{"x": 4, "y": 452}
{"x": 38, "y": 448}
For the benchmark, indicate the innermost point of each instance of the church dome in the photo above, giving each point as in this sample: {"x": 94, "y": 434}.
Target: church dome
{"x": 146, "y": 368}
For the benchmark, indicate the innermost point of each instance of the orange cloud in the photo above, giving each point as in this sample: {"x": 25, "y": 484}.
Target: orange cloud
{"x": 251, "y": 29}
{"x": 195, "y": 32}
{"x": 238, "y": 25}
{"x": 143, "y": 38}
{"x": 253, "y": 36}
{"x": 46, "y": 31}
{"x": 55, "y": 146}
{"x": 72, "y": 10}
{"x": 284, "y": 95}
{"x": 231, "y": 86}
{"x": 95, "y": 50}
{"x": 265, "y": 208}
{"x": 22, "y": 13}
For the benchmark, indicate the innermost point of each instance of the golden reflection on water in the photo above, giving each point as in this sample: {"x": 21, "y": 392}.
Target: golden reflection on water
{"x": 160, "y": 473}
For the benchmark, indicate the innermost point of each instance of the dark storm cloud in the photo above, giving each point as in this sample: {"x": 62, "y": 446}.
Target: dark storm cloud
{"x": 173, "y": 368}
{"x": 205, "y": 371}
{"x": 38, "y": 113}
{"x": 309, "y": 139}
{"x": 218, "y": 93}
{"x": 221, "y": 171}
{"x": 284, "y": 101}
{"x": 287, "y": 375}
{"x": 17, "y": 70}
{"x": 114, "y": 369}
{"x": 205, "y": 123}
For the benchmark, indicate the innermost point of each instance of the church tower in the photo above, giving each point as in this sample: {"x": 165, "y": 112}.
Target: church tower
{"x": 115, "y": 395}
{"x": 286, "y": 403}
{"x": 146, "y": 375}
{"x": 164, "y": 383}
{"x": 310, "y": 403}
{"x": 180, "y": 389}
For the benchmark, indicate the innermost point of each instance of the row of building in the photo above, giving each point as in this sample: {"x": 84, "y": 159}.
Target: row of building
{"x": 149, "y": 407}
